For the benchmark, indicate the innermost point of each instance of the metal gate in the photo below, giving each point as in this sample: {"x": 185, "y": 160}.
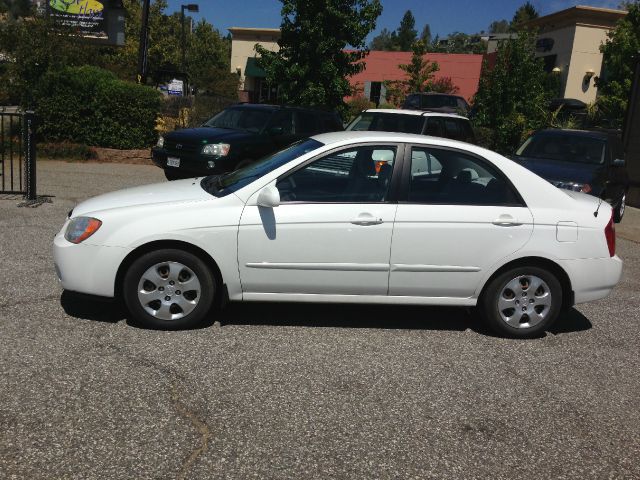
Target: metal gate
{"x": 18, "y": 154}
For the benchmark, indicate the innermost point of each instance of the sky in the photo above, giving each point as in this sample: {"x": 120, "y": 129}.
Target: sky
{"x": 443, "y": 16}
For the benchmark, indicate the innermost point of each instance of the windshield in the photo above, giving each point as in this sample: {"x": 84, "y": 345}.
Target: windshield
{"x": 248, "y": 119}
{"x": 221, "y": 185}
{"x": 566, "y": 148}
{"x": 387, "y": 122}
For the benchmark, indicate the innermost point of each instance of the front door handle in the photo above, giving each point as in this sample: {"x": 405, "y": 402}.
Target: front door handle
{"x": 506, "y": 221}
{"x": 366, "y": 219}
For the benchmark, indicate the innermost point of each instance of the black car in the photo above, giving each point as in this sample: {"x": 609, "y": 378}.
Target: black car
{"x": 586, "y": 161}
{"x": 237, "y": 136}
{"x": 436, "y": 102}
{"x": 446, "y": 125}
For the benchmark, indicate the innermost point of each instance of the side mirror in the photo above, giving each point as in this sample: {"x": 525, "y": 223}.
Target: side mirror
{"x": 269, "y": 197}
{"x": 276, "y": 131}
{"x": 619, "y": 162}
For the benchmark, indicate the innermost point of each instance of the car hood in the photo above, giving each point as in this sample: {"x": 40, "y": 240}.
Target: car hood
{"x": 562, "y": 171}
{"x": 207, "y": 135}
{"x": 168, "y": 192}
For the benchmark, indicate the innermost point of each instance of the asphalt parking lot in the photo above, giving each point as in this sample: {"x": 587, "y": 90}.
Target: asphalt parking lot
{"x": 300, "y": 391}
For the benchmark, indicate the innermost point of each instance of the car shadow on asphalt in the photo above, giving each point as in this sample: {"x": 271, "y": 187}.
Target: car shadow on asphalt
{"x": 393, "y": 317}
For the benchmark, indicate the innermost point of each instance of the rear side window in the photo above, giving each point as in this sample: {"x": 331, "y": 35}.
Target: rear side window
{"x": 329, "y": 123}
{"x": 448, "y": 177}
{"x": 452, "y": 129}
{"x": 412, "y": 101}
{"x": 434, "y": 127}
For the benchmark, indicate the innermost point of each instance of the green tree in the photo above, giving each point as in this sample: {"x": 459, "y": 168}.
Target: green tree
{"x": 385, "y": 40}
{"x": 419, "y": 75}
{"x": 425, "y": 36}
{"x": 523, "y": 15}
{"x": 512, "y": 97}
{"x": 406, "y": 32}
{"x": 620, "y": 52}
{"x": 499, "y": 26}
{"x": 322, "y": 43}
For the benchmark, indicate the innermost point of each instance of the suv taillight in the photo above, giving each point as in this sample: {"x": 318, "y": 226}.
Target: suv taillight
{"x": 610, "y": 235}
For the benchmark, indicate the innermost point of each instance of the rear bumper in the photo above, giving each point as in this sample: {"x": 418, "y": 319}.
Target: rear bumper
{"x": 593, "y": 278}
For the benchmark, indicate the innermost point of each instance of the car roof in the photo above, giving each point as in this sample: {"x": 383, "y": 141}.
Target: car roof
{"x": 267, "y": 106}
{"x": 394, "y": 137}
{"x": 577, "y": 133}
{"x": 436, "y": 94}
{"x": 422, "y": 113}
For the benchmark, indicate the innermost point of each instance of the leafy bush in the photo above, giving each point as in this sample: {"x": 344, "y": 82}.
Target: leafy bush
{"x": 91, "y": 106}
{"x": 389, "y": 106}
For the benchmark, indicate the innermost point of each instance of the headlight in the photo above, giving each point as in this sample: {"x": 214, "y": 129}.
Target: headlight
{"x": 160, "y": 143}
{"x": 81, "y": 228}
{"x": 217, "y": 149}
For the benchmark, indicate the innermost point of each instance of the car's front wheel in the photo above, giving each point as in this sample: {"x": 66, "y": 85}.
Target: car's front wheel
{"x": 169, "y": 289}
{"x": 522, "y": 302}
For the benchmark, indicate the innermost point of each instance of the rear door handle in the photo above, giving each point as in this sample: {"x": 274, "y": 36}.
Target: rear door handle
{"x": 506, "y": 221}
{"x": 366, "y": 219}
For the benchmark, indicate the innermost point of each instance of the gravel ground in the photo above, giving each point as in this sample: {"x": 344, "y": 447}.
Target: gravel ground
{"x": 299, "y": 391}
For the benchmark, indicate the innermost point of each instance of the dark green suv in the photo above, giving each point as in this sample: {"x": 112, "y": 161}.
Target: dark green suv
{"x": 237, "y": 136}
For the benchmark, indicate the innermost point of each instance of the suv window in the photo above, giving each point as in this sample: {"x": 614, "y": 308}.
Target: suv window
{"x": 434, "y": 127}
{"x": 249, "y": 119}
{"x": 284, "y": 120}
{"x": 564, "y": 147}
{"x": 453, "y": 178}
{"x": 412, "y": 101}
{"x": 306, "y": 123}
{"x": 359, "y": 174}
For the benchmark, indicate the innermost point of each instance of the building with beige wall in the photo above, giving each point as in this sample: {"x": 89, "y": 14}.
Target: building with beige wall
{"x": 243, "y": 61}
{"x": 569, "y": 42}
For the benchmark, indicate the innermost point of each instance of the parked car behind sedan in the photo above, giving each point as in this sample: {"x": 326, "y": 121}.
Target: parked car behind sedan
{"x": 586, "y": 161}
{"x": 446, "y": 125}
{"x": 436, "y": 102}
{"x": 237, "y": 136}
{"x": 444, "y": 223}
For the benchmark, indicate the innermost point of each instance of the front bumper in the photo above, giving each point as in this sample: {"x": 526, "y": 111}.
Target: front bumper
{"x": 190, "y": 163}
{"x": 593, "y": 278}
{"x": 89, "y": 269}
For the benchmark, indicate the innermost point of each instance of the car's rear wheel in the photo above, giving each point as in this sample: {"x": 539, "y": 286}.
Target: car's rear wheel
{"x": 169, "y": 289}
{"x": 522, "y": 302}
{"x": 618, "y": 210}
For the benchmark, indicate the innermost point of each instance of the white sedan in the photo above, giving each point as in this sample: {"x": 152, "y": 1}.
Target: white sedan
{"x": 353, "y": 217}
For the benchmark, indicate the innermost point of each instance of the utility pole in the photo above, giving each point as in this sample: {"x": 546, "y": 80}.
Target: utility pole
{"x": 144, "y": 44}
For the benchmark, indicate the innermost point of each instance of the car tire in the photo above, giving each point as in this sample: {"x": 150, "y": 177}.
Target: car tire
{"x": 618, "y": 210}
{"x": 169, "y": 289}
{"x": 512, "y": 307}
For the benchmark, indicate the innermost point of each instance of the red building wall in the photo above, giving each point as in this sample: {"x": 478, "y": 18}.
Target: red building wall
{"x": 463, "y": 69}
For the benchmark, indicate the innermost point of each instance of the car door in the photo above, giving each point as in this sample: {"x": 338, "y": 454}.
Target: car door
{"x": 331, "y": 232}
{"x": 457, "y": 216}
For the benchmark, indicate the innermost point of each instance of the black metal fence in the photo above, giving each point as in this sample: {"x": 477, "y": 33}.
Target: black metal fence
{"x": 18, "y": 153}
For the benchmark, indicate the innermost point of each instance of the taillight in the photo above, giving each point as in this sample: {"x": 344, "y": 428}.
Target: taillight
{"x": 610, "y": 235}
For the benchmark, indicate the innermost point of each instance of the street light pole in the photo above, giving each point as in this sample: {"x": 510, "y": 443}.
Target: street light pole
{"x": 191, "y": 7}
{"x": 144, "y": 44}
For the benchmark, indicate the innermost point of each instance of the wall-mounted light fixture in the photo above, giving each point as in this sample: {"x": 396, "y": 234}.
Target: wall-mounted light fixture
{"x": 589, "y": 73}
{"x": 239, "y": 71}
{"x": 556, "y": 70}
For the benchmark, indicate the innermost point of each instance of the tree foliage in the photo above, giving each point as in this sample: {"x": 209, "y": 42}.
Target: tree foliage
{"x": 499, "y": 26}
{"x": 620, "y": 51}
{"x": 425, "y": 36}
{"x": 407, "y": 32}
{"x": 524, "y": 14}
{"x": 419, "y": 75}
{"x": 512, "y": 97}
{"x": 313, "y": 64}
